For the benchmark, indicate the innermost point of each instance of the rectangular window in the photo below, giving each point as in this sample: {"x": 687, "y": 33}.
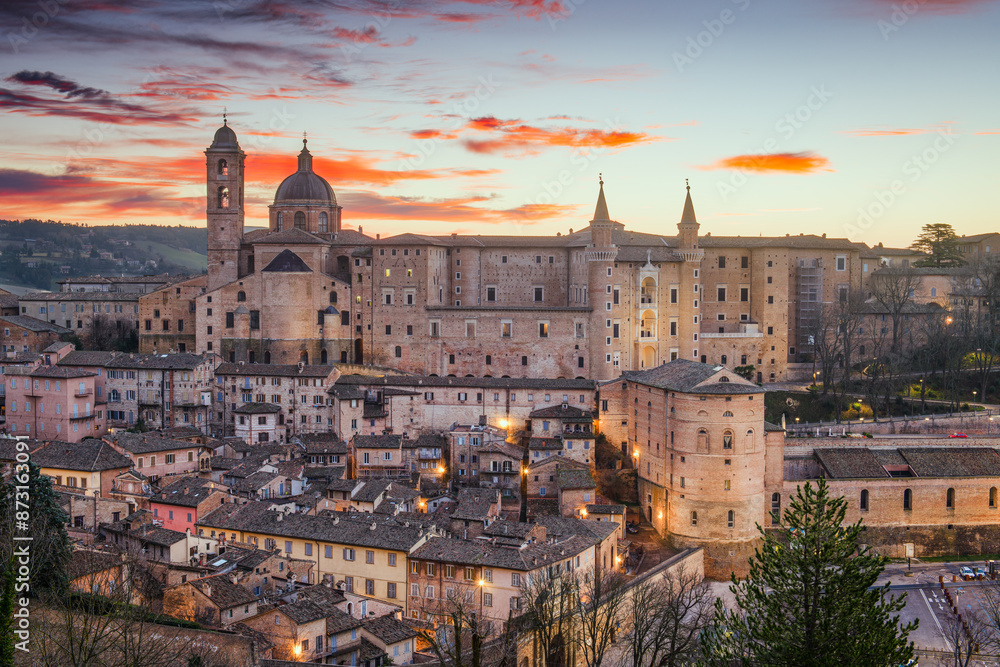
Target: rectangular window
{"x": 539, "y": 294}
{"x": 506, "y": 328}
{"x": 721, "y": 293}
{"x": 543, "y": 329}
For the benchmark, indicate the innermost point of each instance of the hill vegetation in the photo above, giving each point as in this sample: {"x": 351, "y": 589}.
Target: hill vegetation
{"x": 36, "y": 254}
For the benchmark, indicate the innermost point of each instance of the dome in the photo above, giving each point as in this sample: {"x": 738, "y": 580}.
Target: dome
{"x": 305, "y": 184}
{"x": 225, "y": 138}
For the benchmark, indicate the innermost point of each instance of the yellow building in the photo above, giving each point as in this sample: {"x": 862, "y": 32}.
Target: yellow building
{"x": 363, "y": 553}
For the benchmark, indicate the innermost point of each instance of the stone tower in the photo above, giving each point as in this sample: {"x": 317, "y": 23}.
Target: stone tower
{"x": 600, "y": 255}
{"x": 689, "y": 304}
{"x": 224, "y": 206}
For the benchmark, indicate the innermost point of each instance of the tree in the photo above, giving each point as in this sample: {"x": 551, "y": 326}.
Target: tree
{"x": 940, "y": 242}
{"x": 666, "y": 615}
{"x": 809, "y": 598}
{"x": 602, "y": 598}
{"x": 892, "y": 289}
{"x": 547, "y": 600}
{"x": 458, "y": 629}
{"x": 50, "y": 550}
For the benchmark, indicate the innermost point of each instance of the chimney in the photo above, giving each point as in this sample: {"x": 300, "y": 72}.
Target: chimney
{"x": 233, "y": 579}
{"x": 280, "y": 516}
{"x": 206, "y": 588}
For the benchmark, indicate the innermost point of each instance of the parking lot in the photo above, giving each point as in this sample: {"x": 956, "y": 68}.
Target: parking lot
{"x": 927, "y": 602}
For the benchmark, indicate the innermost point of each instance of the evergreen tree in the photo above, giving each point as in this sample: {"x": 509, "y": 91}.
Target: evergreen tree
{"x": 940, "y": 242}
{"x": 50, "y": 549}
{"x": 808, "y": 598}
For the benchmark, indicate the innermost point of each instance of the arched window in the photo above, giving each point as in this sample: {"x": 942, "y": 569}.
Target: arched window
{"x": 115, "y": 396}
{"x": 323, "y": 356}
{"x": 694, "y": 518}
{"x": 322, "y": 221}
{"x": 950, "y": 499}
{"x": 864, "y": 500}
{"x": 251, "y": 357}
{"x": 281, "y": 221}
{"x": 907, "y": 500}
{"x": 751, "y": 445}
{"x": 702, "y": 440}
{"x": 775, "y": 508}
{"x": 993, "y": 497}
{"x": 223, "y": 168}
{"x": 223, "y": 197}
{"x": 241, "y": 296}
{"x": 304, "y": 357}
{"x": 267, "y": 356}
{"x": 333, "y": 297}
{"x": 727, "y": 413}
{"x": 300, "y": 220}
{"x": 727, "y": 440}
{"x": 723, "y": 378}
{"x": 731, "y": 518}
{"x": 399, "y": 352}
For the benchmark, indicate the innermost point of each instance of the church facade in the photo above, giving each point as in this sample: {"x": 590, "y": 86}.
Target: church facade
{"x": 589, "y": 304}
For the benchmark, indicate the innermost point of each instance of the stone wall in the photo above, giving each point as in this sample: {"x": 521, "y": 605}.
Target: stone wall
{"x": 970, "y": 423}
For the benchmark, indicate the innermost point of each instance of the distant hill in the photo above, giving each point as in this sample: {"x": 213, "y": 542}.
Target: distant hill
{"x": 36, "y": 254}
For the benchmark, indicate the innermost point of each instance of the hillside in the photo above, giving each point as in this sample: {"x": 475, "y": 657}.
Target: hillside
{"x": 36, "y": 254}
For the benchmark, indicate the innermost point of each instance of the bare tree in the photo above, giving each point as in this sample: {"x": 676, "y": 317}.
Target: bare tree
{"x": 547, "y": 600}
{"x": 969, "y": 634}
{"x": 600, "y": 611}
{"x": 891, "y": 288}
{"x": 457, "y": 629}
{"x": 100, "y": 625}
{"x": 666, "y": 615}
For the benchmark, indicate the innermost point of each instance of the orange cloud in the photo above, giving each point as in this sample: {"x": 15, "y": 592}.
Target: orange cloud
{"x": 372, "y": 205}
{"x": 515, "y": 136}
{"x": 892, "y": 132}
{"x": 793, "y": 163}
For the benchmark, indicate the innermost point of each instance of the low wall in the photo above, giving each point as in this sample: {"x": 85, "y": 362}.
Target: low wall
{"x": 985, "y": 422}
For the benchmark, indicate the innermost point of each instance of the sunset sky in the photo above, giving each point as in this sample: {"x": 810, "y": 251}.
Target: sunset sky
{"x": 858, "y": 118}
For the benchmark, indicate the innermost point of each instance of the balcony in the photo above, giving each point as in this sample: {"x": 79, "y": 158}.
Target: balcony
{"x": 77, "y": 416}
{"x": 647, "y": 297}
{"x": 82, "y": 393}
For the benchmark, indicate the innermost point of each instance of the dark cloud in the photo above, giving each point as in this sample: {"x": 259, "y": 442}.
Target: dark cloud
{"x": 70, "y": 88}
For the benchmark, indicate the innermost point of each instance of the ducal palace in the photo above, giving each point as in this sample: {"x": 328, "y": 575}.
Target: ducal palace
{"x": 588, "y": 303}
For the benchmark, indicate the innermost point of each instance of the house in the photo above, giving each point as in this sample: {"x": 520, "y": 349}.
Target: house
{"x": 22, "y": 333}
{"x": 216, "y": 601}
{"x": 379, "y": 456}
{"x": 567, "y": 481}
{"x": 88, "y": 467}
{"x": 102, "y": 572}
{"x": 179, "y": 503}
{"x": 53, "y": 403}
{"x": 366, "y": 552}
{"x": 159, "y": 457}
{"x": 570, "y": 425}
{"x": 476, "y": 509}
{"x": 257, "y": 422}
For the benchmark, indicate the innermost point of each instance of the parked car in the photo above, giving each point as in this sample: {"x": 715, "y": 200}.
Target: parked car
{"x": 967, "y": 573}
{"x": 958, "y": 435}
{"x": 980, "y": 573}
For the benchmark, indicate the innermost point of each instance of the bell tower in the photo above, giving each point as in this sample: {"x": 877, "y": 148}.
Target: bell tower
{"x": 224, "y": 206}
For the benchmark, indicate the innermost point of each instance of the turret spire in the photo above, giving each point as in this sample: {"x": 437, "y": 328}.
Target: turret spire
{"x": 688, "y": 214}
{"x": 601, "y": 211}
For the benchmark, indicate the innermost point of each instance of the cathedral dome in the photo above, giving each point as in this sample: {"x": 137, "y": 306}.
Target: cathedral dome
{"x": 305, "y": 184}
{"x": 225, "y": 138}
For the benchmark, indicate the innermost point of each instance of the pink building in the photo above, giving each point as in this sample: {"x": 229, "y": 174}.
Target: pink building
{"x": 178, "y": 505}
{"x": 53, "y": 403}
